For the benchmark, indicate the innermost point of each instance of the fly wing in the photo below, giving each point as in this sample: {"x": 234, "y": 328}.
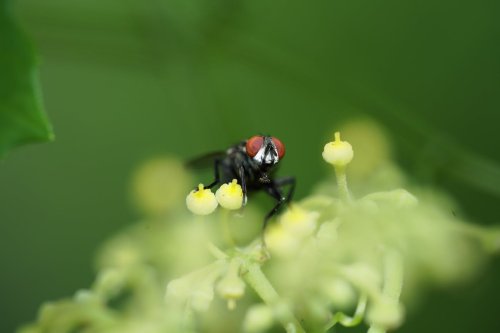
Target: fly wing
{"x": 205, "y": 161}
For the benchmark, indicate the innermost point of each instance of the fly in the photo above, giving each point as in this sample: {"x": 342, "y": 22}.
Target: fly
{"x": 253, "y": 162}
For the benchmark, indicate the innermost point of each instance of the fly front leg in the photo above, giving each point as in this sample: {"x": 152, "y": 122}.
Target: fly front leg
{"x": 274, "y": 190}
{"x": 241, "y": 174}
{"x": 216, "y": 175}
{"x": 287, "y": 181}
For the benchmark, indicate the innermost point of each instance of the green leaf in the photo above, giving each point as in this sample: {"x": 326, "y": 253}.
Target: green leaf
{"x": 22, "y": 119}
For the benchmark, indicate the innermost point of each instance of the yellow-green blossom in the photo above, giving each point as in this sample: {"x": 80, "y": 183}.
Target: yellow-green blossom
{"x": 299, "y": 221}
{"x": 280, "y": 241}
{"x": 259, "y": 318}
{"x": 337, "y": 152}
{"x": 385, "y": 313}
{"x": 230, "y": 195}
{"x": 201, "y": 201}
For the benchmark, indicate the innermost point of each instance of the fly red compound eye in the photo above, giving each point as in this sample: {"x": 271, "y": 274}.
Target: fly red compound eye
{"x": 280, "y": 147}
{"x": 253, "y": 145}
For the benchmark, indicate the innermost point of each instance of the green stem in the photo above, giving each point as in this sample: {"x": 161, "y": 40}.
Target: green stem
{"x": 393, "y": 275}
{"x": 376, "y": 329}
{"x": 342, "y": 183}
{"x": 393, "y": 281}
{"x": 258, "y": 281}
{"x": 216, "y": 252}
{"x": 226, "y": 230}
{"x": 346, "y": 320}
{"x": 488, "y": 237}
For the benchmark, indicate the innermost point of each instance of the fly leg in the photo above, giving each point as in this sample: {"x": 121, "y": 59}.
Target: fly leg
{"x": 290, "y": 181}
{"x": 216, "y": 175}
{"x": 241, "y": 174}
{"x": 274, "y": 190}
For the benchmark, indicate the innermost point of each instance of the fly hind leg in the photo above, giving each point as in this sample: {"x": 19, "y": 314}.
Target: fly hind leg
{"x": 274, "y": 190}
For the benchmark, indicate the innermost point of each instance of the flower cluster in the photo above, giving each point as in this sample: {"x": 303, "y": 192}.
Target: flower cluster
{"x": 330, "y": 259}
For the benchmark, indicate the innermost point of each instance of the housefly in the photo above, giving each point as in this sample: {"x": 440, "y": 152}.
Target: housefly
{"x": 252, "y": 162}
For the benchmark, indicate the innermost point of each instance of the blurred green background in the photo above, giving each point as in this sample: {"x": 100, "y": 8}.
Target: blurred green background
{"x": 127, "y": 80}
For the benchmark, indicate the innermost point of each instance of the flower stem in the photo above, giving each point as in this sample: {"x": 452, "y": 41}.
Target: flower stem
{"x": 393, "y": 276}
{"x": 376, "y": 329}
{"x": 342, "y": 183}
{"x": 258, "y": 281}
{"x": 216, "y": 252}
{"x": 393, "y": 281}
{"x": 489, "y": 238}
{"x": 226, "y": 230}
{"x": 346, "y": 320}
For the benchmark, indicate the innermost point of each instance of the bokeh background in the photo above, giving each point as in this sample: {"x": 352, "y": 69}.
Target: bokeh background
{"x": 126, "y": 80}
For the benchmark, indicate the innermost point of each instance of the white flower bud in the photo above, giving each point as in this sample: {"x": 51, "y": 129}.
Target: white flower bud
{"x": 259, "y": 318}
{"x": 327, "y": 234}
{"x": 230, "y": 195}
{"x": 86, "y": 296}
{"x": 158, "y": 185}
{"x": 339, "y": 153}
{"x": 281, "y": 242}
{"x": 201, "y": 201}
{"x": 109, "y": 282}
{"x": 299, "y": 221}
{"x": 405, "y": 198}
{"x": 178, "y": 290}
{"x": 386, "y": 313}
{"x": 201, "y": 298}
{"x": 231, "y": 287}
{"x": 339, "y": 292}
